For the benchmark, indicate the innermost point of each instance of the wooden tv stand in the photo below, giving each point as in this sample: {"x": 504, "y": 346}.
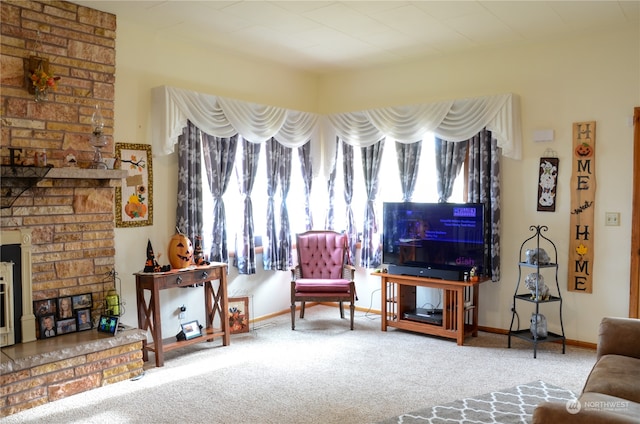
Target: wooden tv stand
{"x": 459, "y": 306}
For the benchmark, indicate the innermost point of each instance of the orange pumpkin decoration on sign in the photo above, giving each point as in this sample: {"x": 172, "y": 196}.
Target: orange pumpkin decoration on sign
{"x": 584, "y": 150}
{"x": 180, "y": 251}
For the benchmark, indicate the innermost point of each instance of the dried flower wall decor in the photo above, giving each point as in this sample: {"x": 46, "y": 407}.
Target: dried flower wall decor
{"x": 134, "y": 197}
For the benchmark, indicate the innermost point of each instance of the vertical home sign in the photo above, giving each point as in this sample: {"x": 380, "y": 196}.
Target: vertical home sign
{"x": 583, "y": 192}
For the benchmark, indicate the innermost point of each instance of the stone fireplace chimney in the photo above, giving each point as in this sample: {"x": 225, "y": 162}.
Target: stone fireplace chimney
{"x": 65, "y": 222}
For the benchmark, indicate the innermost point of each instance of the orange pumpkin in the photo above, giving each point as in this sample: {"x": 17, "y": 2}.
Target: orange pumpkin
{"x": 180, "y": 251}
{"x": 135, "y": 210}
{"x": 584, "y": 150}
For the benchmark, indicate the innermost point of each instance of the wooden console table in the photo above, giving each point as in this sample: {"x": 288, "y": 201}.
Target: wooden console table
{"x": 215, "y": 303}
{"x": 459, "y": 308}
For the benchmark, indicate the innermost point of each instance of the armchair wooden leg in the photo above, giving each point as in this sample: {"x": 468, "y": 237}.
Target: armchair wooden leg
{"x": 341, "y": 310}
{"x": 293, "y": 315}
{"x": 353, "y": 309}
{"x": 302, "y": 309}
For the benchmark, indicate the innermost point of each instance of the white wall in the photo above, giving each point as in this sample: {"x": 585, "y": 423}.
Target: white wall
{"x": 589, "y": 78}
{"x": 144, "y": 61}
{"x": 559, "y": 83}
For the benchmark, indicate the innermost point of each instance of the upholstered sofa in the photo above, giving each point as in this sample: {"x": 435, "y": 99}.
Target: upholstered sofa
{"x": 612, "y": 391}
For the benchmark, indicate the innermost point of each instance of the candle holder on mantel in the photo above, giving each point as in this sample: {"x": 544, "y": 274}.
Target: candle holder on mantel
{"x": 98, "y": 140}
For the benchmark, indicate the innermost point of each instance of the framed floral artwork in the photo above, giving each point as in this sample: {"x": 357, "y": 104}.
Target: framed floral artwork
{"x": 134, "y": 197}
{"x": 239, "y": 314}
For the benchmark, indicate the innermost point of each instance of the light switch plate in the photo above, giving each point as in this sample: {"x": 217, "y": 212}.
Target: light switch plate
{"x": 612, "y": 219}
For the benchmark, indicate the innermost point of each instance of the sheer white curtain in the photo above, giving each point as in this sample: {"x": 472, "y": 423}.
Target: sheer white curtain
{"x": 453, "y": 120}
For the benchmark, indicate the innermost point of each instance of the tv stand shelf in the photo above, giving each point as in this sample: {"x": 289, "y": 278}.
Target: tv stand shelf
{"x": 459, "y": 312}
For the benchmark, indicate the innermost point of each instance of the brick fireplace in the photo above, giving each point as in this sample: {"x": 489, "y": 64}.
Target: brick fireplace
{"x": 70, "y": 215}
{"x": 67, "y": 216}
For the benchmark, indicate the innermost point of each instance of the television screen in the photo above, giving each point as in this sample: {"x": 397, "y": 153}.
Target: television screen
{"x": 434, "y": 235}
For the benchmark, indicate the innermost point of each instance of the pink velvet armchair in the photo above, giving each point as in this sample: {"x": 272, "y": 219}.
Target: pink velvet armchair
{"x": 321, "y": 274}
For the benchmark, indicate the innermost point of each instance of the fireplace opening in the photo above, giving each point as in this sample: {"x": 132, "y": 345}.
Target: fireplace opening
{"x": 16, "y": 247}
{"x": 12, "y": 253}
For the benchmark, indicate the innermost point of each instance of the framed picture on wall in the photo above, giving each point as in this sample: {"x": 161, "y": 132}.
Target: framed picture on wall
{"x": 134, "y": 197}
{"x": 547, "y": 181}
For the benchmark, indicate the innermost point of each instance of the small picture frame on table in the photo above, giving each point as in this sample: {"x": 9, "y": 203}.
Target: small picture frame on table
{"x": 84, "y": 319}
{"x": 44, "y": 307}
{"x": 191, "y": 330}
{"x": 108, "y": 324}
{"x": 47, "y": 326}
{"x": 65, "y": 326}
{"x": 65, "y": 307}
{"x": 82, "y": 301}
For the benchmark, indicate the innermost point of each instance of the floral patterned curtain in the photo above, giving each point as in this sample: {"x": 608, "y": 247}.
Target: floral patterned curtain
{"x": 189, "y": 218}
{"x": 329, "y": 222}
{"x": 245, "y": 258}
{"x": 304, "y": 153}
{"x": 351, "y": 230}
{"x": 408, "y": 159}
{"x": 370, "y": 253}
{"x": 270, "y": 241}
{"x": 284, "y": 254}
{"x": 219, "y": 158}
{"x": 449, "y": 160}
{"x": 484, "y": 187}
{"x": 277, "y": 248}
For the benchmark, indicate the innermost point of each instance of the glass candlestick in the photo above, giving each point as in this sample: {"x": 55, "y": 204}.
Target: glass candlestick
{"x": 98, "y": 140}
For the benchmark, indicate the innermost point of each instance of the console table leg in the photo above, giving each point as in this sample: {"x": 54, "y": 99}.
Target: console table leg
{"x": 142, "y": 319}
{"x": 156, "y": 325}
{"x": 224, "y": 316}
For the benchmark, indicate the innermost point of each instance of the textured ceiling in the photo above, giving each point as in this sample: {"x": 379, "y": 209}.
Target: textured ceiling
{"x": 329, "y": 36}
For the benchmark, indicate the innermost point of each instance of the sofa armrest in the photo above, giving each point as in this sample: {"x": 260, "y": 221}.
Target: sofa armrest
{"x": 619, "y": 336}
{"x": 555, "y": 412}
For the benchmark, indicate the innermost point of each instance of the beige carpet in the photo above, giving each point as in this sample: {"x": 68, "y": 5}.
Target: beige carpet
{"x": 320, "y": 373}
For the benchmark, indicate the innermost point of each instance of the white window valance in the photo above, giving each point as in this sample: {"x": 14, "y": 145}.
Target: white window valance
{"x": 454, "y": 120}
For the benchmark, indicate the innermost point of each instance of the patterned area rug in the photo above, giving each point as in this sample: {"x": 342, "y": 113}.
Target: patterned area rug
{"x": 514, "y": 405}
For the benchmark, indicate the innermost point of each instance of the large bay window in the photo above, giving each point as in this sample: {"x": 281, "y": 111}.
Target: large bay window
{"x": 495, "y": 119}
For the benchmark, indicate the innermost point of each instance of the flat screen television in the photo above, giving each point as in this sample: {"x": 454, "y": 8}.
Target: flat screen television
{"x": 438, "y": 240}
